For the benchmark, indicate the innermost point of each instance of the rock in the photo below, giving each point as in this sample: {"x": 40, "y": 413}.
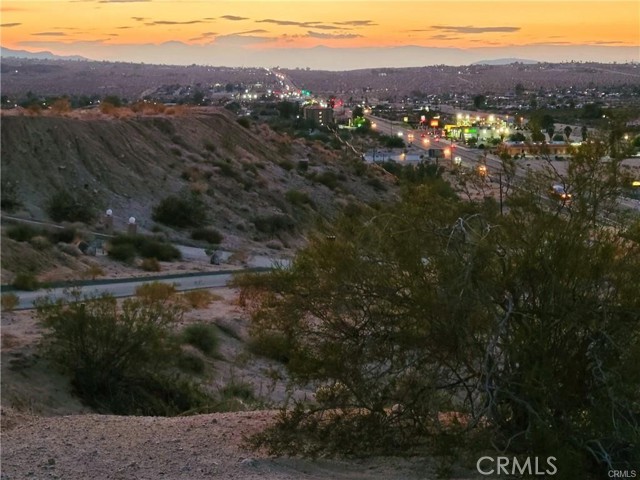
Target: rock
{"x": 249, "y": 462}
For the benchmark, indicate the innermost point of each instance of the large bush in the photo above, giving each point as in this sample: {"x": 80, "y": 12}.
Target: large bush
{"x": 442, "y": 320}
{"x": 120, "y": 358}
{"x": 64, "y": 206}
{"x": 126, "y": 247}
{"x": 181, "y": 211}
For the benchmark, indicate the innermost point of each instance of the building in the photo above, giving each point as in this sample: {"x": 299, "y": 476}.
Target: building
{"x": 537, "y": 148}
{"x": 319, "y": 115}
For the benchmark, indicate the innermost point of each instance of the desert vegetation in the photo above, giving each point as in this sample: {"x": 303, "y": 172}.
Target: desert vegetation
{"x": 441, "y": 325}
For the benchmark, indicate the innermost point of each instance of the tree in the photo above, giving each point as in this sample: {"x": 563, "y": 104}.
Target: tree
{"x": 567, "y": 132}
{"x": 438, "y": 305}
{"x": 519, "y": 90}
{"x": 584, "y": 132}
{"x": 517, "y": 137}
{"x": 479, "y": 101}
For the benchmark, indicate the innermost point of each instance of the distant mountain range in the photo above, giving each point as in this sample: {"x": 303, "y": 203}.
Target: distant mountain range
{"x": 506, "y": 61}
{"x": 7, "y": 52}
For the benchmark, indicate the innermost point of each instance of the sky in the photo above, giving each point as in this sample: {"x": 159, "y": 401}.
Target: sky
{"x": 332, "y": 35}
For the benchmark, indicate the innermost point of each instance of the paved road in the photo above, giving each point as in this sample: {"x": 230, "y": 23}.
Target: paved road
{"x": 127, "y": 289}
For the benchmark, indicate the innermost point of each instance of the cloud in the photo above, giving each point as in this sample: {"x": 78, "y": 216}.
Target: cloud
{"x": 469, "y": 29}
{"x": 357, "y": 23}
{"x": 326, "y": 27}
{"x": 442, "y": 36}
{"x": 122, "y": 1}
{"x": 139, "y": 19}
{"x": 8, "y": 25}
{"x": 284, "y": 22}
{"x": 50, "y": 34}
{"x": 122, "y": 28}
{"x": 233, "y": 18}
{"x": 204, "y": 36}
{"x": 612, "y": 42}
{"x": 332, "y": 35}
{"x": 173, "y": 22}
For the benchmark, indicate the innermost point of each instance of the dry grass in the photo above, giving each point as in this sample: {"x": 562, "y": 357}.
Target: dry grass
{"x": 9, "y": 302}
{"x": 198, "y": 299}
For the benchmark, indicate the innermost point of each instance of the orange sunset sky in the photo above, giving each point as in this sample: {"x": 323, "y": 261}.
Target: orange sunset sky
{"x": 266, "y": 33}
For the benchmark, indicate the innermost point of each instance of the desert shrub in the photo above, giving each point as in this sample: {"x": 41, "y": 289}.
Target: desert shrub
{"x": 286, "y": 165}
{"x": 181, "y": 211}
{"x": 92, "y": 272}
{"x": 199, "y": 298}
{"x": 119, "y": 358}
{"x": 123, "y": 252}
{"x": 241, "y": 390}
{"x": 26, "y": 281}
{"x": 245, "y": 122}
{"x": 328, "y": 178}
{"x": 271, "y": 345}
{"x": 209, "y": 235}
{"x": 210, "y": 146}
{"x": 65, "y": 235}
{"x": 156, "y": 292}
{"x": 9, "y": 199}
{"x": 192, "y": 363}
{"x": 202, "y": 336}
{"x": 40, "y": 242}
{"x": 64, "y": 206}
{"x": 9, "y": 302}
{"x": 21, "y": 232}
{"x": 150, "y": 265}
{"x": 126, "y": 247}
{"x": 377, "y": 184}
{"x": 162, "y": 251}
{"x": 273, "y": 224}
{"x": 296, "y": 197}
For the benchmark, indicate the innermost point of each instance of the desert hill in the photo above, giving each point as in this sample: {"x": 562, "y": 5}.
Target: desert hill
{"x": 130, "y": 163}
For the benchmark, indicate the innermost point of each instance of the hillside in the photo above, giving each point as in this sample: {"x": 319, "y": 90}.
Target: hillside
{"x": 131, "y": 163}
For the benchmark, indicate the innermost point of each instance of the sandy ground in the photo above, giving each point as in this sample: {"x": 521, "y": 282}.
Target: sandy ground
{"x": 47, "y": 433}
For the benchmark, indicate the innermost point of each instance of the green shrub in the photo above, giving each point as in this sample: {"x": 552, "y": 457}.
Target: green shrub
{"x": 65, "y": 235}
{"x": 21, "y": 232}
{"x": 126, "y": 247}
{"x": 240, "y": 390}
{"x": 119, "y": 358}
{"x": 123, "y": 252}
{"x": 209, "y": 235}
{"x": 26, "y": 281}
{"x": 328, "y": 178}
{"x": 272, "y": 224}
{"x": 245, "y": 122}
{"x": 150, "y": 265}
{"x": 64, "y": 206}
{"x": 286, "y": 165}
{"x": 271, "y": 345}
{"x": 165, "y": 252}
{"x": 191, "y": 363}
{"x": 202, "y": 336}
{"x": 181, "y": 211}
{"x": 296, "y": 197}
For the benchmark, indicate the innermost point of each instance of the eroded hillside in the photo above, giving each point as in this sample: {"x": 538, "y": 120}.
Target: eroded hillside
{"x": 130, "y": 164}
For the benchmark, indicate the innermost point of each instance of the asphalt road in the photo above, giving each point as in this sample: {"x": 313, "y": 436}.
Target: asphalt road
{"x": 125, "y": 289}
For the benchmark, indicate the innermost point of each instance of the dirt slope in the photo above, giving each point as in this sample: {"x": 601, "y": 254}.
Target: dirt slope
{"x": 129, "y": 164}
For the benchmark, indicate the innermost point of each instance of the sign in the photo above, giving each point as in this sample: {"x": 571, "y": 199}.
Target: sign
{"x": 433, "y": 123}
